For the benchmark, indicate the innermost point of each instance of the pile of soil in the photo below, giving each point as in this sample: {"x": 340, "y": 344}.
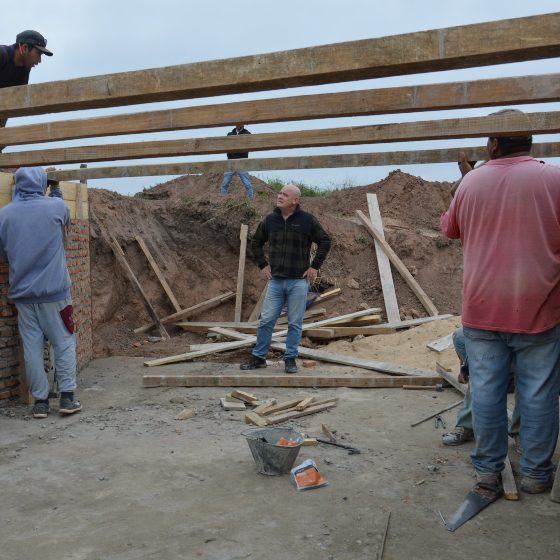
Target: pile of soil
{"x": 193, "y": 233}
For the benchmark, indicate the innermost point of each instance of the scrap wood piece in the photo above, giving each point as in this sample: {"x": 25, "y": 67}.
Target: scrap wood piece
{"x": 190, "y": 311}
{"x": 309, "y": 314}
{"x": 243, "y": 396}
{"x": 255, "y": 314}
{"x": 205, "y": 326}
{"x": 327, "y": 295}
{"x": 315, "y": 381}
{"x": 246, "y": 342}
{"x": 328, "y": 433}
{"x": 252, "y": 418}
{"x": 375, "y": 365}
{"x": 119, "y": 254}
{"x": 229, "y": 405}
{"x": 441, "y": 344}
{"x": 279, "y": 418}
{"x": 158, "y": 273}
{"x": 241, "y": 271}
{"x": 508, "y": 482}
{"x": 555, "y": 492}
{"x": 305, "y": 403}
{"x": 282, "y": 406}
{"x": 451, "y": 378}
{"x": 294, "y": 408}
{"x": 264, "y": 405}
{"x": 399, "y": 265}
{"x": 383, "y": 264}
{"x": 361, "y": 321}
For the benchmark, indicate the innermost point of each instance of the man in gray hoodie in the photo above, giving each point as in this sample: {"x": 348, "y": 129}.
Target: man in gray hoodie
{"x": 32, "y": 230}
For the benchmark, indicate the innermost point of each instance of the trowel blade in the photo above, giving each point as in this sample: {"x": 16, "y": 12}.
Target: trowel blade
{"x": 473, "y": 504}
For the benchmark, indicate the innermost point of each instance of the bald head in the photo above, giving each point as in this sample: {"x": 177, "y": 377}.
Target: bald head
{"x": 288, "y": 199}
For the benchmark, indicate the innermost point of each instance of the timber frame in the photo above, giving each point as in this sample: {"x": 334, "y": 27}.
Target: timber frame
{"x": 497, "y": 42}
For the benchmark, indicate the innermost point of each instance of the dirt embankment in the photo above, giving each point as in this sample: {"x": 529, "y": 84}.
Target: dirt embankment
{"x": 193, "y": 233}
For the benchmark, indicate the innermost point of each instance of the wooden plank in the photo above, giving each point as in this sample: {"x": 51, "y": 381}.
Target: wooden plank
{"x": 189, "y": 312}
{"x": 279, "y": 418}
{"x": 341, "y": 332}
{"x": 452, "y": 378}
{"x": 305, "y": 403}
{"x": 244, "y": 396}
{"x": 404, "y": 99}
{"x": 470, "y": 127}
{"x": 308, "y": 381}
{"x": 480, "y": 44}
{"x": 508, "y": 481}
{"x": 555, "y": 492}
{"x": 327, "y": 295}
{"x": 375, "y": 365}
{"x": 383, "y": 264}
{"x": 205, "y": 326}
{"x": 309, "y": 314}
{"x": 441, "y": 344}
{"x": 121, "y": 259}
{"x": 399, "y": 265}
{"x": 325, "y": 333}
{"x": 252, "y": 418}
{"x": 282, "y": 406}
{"x": 243, "y": 343}
{"x": 263, "y": 406}
{"x": 241, "y": 271}
{"x": 255, "y": 314}
{"x": 23, "y": 389}
{"x": 367, "y": 320}
{"x": 158, "y": 273}
{"x": 416, "y": 157}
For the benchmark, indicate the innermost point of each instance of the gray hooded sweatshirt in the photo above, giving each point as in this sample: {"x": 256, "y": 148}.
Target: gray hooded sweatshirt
{"x": 32, "y": 239}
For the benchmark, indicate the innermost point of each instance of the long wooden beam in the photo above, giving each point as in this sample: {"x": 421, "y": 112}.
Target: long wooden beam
{"x": 472, "y": 127}
{"x": 354, "y": 381}
{"x": 481, "y": 44}
{"x": 429, "y": 97}
{"x": 446, "y": 155}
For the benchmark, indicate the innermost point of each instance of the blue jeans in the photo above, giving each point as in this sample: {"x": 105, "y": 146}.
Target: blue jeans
{"x": 537, "y": 358}
{"x": 243, "y": 175}
{"x": 282, "y": 291}
{"x": 464, "y": 415}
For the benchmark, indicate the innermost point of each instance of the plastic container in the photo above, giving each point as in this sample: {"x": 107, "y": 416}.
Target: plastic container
{"x": 272, "y": 459}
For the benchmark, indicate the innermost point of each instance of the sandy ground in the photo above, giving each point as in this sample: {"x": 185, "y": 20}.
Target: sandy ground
{"x": 124, "y": 480}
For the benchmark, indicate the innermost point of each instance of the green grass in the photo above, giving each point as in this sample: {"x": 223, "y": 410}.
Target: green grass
{"x": 306, "y": 190}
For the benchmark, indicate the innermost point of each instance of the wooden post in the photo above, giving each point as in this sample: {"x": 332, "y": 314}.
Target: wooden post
{"x": 241, "y": 272}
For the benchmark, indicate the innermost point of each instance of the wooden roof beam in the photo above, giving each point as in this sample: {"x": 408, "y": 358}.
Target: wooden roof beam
{"x": 480, "y": 44}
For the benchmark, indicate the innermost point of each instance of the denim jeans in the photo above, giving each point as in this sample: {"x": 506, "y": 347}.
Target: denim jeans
{"x": 35, "y": 321}
{"x": 536, "y": 373}
{"x": 243, "y": 175}
{"x": 464, "y": 415}
{"x": 282, "y": 291}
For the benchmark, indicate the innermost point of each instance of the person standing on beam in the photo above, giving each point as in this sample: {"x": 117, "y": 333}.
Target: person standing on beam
{"x": 17, "y": 60}
{"x": 289, "y": 232}
{"x": 243, "y": 175}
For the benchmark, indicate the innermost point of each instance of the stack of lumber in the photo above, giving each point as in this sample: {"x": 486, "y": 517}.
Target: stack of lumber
{"x": 240, "y": 400}
{"x": 268, "y": 415}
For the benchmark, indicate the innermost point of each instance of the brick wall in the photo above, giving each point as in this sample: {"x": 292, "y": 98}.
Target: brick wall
{"x": 77, "y": 254}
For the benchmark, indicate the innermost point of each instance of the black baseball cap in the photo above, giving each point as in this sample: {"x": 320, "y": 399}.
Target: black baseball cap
{"x": 30, "y": 37}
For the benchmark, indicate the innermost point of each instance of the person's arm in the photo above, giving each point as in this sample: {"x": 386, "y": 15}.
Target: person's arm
{"x": 323, "y": 241}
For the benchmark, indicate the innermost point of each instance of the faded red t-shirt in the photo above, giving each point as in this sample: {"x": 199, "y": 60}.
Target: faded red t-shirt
{"x": 507, "y": 215}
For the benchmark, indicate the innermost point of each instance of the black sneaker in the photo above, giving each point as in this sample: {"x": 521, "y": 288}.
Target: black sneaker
{"x": 254, "y": 363}
{"x": 290, "y": 365}
{"x": 69, "y": 406}
{"x": 40, "y": 409}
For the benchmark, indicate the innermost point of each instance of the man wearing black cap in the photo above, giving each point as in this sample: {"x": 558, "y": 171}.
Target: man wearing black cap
{"x": 17, "y": 60}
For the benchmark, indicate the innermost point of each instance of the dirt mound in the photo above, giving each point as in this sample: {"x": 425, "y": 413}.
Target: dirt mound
{"x": 193, "y": 233}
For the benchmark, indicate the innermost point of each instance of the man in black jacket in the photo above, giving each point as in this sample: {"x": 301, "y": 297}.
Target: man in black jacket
{"x": 243, "y": 175}
{"x": 17, "y": 60}
{"x": 289, "y": 232}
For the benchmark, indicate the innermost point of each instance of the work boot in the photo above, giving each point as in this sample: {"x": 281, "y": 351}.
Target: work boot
{"x": 40, "y": 409}
{"x": 458, "y": 436}
{"x": 290, "y": 365}
{"x": 536, "y": 486}
{"x": 489, "y": 485}
{"x": 254, "y": 363}
{"x": 69, "y": 406}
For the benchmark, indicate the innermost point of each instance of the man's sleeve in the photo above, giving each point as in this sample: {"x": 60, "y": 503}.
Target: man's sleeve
{"x": 448, "y": 221}
{"x": 323, "y": 241}
{"x": 257, "y": 244}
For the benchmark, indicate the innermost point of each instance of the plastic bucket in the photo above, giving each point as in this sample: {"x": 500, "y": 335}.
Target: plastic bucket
{"x": 272, "y": 459}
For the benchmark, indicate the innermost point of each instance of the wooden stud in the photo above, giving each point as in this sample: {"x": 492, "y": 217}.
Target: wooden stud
{"x": 241, "y": 271}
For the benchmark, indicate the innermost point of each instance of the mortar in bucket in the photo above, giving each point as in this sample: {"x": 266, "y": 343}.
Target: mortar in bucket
{"x": 270, "y": 458}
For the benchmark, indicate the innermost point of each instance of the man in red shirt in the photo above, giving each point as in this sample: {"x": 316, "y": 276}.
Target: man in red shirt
{"x": 507, "y": 215}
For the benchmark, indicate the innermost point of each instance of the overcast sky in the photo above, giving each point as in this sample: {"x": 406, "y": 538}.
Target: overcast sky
{"x": 91, "y": 37}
